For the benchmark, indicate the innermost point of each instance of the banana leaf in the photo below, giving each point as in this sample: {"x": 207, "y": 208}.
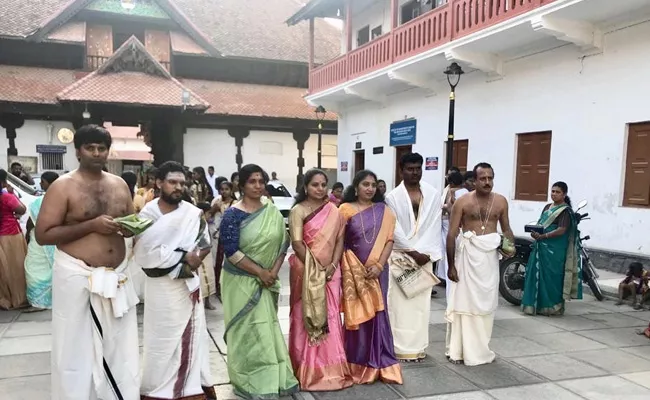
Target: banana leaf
{"x": 134, "y": 224}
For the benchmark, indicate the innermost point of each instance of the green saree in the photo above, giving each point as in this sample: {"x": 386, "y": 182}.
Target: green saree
{"x": 553, "y": 270}
{"x": 258, "y": 360}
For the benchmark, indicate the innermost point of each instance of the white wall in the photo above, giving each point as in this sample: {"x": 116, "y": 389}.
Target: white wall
{"x": 34, "y": 133}
{"x": 205, "y": 147}
{"x": 585, "y": 102}
{"x": 273, "y": 151}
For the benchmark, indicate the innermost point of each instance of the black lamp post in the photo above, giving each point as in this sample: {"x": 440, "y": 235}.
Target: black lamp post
{"x": 453, "y": 72}
{"x": 320, "y": 116}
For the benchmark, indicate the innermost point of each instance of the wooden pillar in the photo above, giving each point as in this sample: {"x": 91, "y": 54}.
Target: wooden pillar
{"x": 300, "y": 136}
{"x": 311, "y": 44}
{"x": 348, "y": 25}
{"x": 239, "y": 134}
{"x": 11, "y": 122}
{"x": 394, "y": 13}
{"x": 167, "y": 139}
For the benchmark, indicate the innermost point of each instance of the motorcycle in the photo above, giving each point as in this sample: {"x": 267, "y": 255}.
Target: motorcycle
{"x": 513, "y": 270}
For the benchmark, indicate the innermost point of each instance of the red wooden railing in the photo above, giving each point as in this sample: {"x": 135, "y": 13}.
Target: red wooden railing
{"x": 441, "y": 25}
{"x": 372, "y": 55}
{"x": 425, "y": 32}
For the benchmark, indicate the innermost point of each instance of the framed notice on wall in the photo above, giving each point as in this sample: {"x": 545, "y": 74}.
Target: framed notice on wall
{"x": 402, "y": 133}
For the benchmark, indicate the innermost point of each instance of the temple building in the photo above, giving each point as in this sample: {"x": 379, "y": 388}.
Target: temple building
{"x": 544, "y": 90}
{"x": 206, "y": 83}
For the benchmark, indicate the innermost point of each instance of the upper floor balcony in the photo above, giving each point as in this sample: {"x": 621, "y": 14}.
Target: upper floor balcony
{"x": 426, "y": 35}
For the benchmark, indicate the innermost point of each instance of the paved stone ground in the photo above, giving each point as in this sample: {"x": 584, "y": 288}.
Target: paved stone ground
{"x": 590, "y": 353}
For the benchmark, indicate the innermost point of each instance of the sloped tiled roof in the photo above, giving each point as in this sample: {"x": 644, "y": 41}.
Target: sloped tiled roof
{"x": 41, "y": 85}
{"x": 236, "y": 28}
{"x": 243, "y": 99}
{"x": 145, "y": 83}
{"x": 33, "y": 85}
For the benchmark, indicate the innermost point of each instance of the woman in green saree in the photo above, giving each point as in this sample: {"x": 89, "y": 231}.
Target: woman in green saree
{"x": 255, "y": 243}
{"x": 553, "y": 270}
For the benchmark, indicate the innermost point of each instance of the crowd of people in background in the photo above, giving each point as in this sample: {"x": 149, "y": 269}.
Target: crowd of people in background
{"x": 372, "y": 254}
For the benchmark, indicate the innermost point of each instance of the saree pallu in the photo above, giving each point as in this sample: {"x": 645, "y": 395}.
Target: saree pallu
{"x": 38, "y": 265}
{"x": 368, "y": 338}
{"x": 322, "y": 366}
{"x": 258, "y": 361}
{"x": 553, "y": 270}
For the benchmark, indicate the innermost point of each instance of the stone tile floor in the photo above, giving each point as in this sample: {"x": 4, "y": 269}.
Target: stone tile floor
{"x": 590, "y": 353}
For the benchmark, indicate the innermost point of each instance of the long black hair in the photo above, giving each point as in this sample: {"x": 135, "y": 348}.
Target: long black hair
{"x": 130, "y": 178}
{"x": 203, "y": 180}
{"x": 350, "y": 194}
{"x": 309, "y": 175}
{"x": 565, "y": 189}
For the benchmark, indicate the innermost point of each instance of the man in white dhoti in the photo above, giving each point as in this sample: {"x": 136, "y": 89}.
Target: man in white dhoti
{"x": 94, "y": 323}
{"x": 474, "y": 269}
{"x": 176, "y": 343}
{"x": 417, "y": 207}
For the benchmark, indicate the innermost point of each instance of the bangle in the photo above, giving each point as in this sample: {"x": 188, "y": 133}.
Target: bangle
{"x": 334, "y": 265}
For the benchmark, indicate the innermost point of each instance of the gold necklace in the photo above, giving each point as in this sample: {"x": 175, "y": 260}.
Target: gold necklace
{"x": 374, "y": 225}
{"x": 480, "y": 212}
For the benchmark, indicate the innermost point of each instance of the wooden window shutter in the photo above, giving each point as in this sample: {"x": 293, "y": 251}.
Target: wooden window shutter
{"x": 637, "y": 172}
{"x": 533, "y": 166}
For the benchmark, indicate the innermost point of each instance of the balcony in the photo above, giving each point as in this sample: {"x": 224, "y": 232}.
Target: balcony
{"x": 94, "y": 62}
{"x": 442, "y": 25}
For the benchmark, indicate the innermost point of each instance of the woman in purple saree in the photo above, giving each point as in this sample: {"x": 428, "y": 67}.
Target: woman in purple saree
{"x": 367, "y": 245}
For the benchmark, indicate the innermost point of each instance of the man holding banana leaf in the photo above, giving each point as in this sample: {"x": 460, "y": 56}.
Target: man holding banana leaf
{"x": 176, "y": 355}
{"x": 94, "y": 323}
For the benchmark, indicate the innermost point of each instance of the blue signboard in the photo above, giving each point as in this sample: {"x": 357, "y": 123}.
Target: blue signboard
{"x": 51, "y": 148}
{"x": 402, "y": 133}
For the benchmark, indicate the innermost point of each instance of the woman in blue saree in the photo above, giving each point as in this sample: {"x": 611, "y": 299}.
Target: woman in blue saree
{"x": 39, "y": 260}
{"x": 553, "y": 269}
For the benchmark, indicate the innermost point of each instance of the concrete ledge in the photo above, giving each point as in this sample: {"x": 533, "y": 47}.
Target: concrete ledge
{"x": 616, "y": 261}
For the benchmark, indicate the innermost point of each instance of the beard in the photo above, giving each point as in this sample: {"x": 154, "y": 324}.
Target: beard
{"x": 170, "y": 199}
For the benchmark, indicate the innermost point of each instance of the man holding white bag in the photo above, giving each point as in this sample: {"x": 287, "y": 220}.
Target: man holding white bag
{"x": 418, "y": 244}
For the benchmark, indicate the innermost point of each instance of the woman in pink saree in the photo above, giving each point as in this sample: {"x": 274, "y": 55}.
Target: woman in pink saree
{"x": 316, "y": 334}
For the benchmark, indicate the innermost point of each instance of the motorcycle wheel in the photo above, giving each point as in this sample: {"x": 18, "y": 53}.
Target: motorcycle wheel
{"x": 504, "y": 289}
{"x": 595, "y": 288}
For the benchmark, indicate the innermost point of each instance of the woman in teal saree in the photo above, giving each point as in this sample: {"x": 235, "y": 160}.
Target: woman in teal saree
{"x": 255, "y": 242}
{"x": 553, "y": 270}
{"x": 39, "y": 260}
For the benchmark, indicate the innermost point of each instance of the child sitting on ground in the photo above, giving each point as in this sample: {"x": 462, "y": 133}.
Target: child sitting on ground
{"x": 635, "y": 283}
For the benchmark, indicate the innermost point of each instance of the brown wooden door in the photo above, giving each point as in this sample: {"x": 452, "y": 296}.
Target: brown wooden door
{"x": 459, "y": 156}
{"x": 637, "y": 172}
{"x": 399, "y": 152}
{"x": 533, "y": 165}
{"x": 359, "y": 160}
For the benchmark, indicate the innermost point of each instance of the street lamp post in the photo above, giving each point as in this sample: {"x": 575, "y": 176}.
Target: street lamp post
{"x": 453, "y": 72}
{"x": 320, "y": 116}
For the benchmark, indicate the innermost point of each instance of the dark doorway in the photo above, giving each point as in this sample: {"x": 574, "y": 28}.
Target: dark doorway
{"x": 359, "y": 160}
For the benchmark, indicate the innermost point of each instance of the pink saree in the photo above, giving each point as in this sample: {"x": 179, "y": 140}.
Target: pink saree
{"x": 320, "y": 366}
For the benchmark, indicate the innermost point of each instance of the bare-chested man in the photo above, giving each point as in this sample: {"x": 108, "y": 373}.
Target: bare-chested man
{"x": 474, "y": 269}
{"x": 94, "y": 325}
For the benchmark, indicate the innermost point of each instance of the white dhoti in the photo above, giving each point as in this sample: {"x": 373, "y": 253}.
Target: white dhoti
{"x": 443, "y": 265}
{"x": 176, "y": 352}
{"x": 409, "y": 318}
{"x": 137, "y": 275}
{"x": 474, "y": 299}
{"x": 176, "y": 358}
{"x": 95, "y": 352}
